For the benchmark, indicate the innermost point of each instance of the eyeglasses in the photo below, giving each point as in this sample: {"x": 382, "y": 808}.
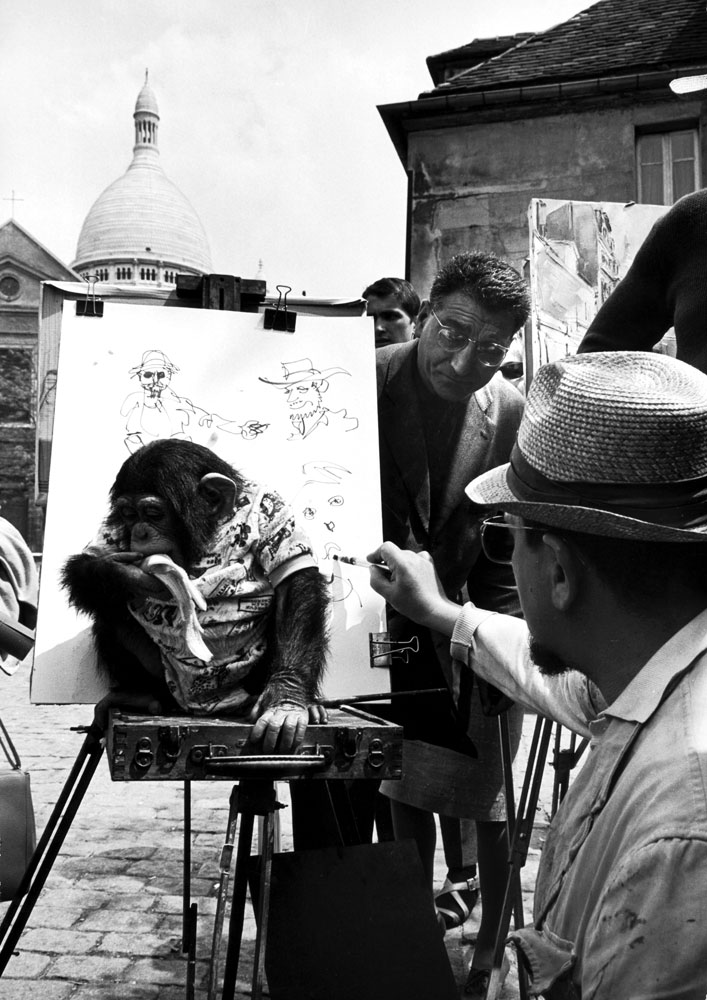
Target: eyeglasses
{"x": 488, "y": 354}
{"x": 497, "y": 538}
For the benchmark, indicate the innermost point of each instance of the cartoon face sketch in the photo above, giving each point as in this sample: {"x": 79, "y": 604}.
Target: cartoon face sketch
{"x": 154, "y": 373}
{"x": 304, "y": 386}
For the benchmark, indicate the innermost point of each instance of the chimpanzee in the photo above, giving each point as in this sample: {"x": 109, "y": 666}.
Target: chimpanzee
{"x": 185, "y": 528}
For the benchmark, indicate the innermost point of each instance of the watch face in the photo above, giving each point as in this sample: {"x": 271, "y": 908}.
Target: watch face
{"x": 9, "y": 287}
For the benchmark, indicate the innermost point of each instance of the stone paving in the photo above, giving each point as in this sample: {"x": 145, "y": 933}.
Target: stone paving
{"x": 108, "y": 923}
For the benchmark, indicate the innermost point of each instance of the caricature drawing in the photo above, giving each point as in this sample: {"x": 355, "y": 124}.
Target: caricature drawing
{"x": 157, "y": 411}
{"x": 304, "y": 386}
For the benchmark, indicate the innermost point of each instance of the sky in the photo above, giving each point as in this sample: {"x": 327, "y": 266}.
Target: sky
{"x": 268, "y": 119}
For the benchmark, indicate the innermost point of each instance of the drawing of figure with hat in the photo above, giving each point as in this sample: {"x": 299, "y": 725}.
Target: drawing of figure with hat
{"x": 157, "y": 411}
{"x": 304, "y": 385}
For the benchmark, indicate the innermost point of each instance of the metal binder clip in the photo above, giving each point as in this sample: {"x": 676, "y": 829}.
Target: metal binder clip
{"x": 280, "y": 318}
{"x": 383, "y": 649}
{"x": 90, "y": 306}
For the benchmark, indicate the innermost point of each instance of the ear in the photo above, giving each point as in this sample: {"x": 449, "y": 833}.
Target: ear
{"x": 423, "y": 315}
{"x": 565, "y": 570}
{"x": 220, "y": 492}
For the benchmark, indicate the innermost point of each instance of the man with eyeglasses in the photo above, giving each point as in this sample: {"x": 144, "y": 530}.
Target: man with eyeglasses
{"x": 445, "y": 415}
{"x": 604, "y": 520}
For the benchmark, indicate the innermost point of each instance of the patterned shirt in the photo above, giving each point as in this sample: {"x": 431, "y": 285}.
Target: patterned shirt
{"x": 258, "y": 548}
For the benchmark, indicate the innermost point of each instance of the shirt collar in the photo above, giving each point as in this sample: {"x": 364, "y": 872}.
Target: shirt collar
{"x": 640, "y": 698}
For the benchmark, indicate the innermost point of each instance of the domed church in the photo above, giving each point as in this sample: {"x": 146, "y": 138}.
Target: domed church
{"x": 142, "y": 231}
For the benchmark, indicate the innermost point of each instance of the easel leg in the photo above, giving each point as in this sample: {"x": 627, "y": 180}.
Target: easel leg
{"x": 50, "y": 843}
{"x": 263, "y": 907}
{"x": 186, "y": 874}
{"x": 225, "y": 868}
{"x": 519, "y": 851}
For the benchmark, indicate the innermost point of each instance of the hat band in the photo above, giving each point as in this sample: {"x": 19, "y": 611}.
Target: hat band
{"x": 676, "y": 504}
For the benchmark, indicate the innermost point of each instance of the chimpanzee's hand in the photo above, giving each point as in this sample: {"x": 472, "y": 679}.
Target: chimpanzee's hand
{"x": 318, "y": 715}
{"x": 281, "y": 726}
{"x": 128, "y": 700}
{"x": 133, "y": 578}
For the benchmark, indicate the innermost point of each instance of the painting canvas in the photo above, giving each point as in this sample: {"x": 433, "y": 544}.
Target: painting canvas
{"x": 296, "y": 411}
{"x": 579, "y": 251}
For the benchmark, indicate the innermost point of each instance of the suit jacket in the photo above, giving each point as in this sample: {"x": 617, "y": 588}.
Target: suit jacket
{"x": 450, "y": 533}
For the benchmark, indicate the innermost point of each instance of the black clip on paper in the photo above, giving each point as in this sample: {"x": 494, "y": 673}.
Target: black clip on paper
{"x": 90, "y": 306}
{"x": 281, "y": 318}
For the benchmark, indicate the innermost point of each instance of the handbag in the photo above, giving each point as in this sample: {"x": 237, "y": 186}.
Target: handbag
{"x": 17, "y": 827}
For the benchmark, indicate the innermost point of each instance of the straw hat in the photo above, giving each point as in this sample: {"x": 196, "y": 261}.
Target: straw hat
{"x": 610, "y": 444}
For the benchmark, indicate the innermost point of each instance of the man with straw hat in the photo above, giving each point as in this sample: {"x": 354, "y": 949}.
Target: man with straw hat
{"x": 604, "y": 521}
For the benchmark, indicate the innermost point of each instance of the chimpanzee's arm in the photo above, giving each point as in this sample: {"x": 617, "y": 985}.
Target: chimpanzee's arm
{"x": 100, "y": 582}
{"x": 300, "y": 640}
{"x": 298, "y": 651}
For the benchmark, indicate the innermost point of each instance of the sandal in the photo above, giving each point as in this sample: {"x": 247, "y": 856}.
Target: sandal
{"x": 477, "y": 982}
{"x": 456, "y": 900}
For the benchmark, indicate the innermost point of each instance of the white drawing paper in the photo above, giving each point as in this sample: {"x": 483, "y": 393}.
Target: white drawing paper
{"x": 294, "y": 410}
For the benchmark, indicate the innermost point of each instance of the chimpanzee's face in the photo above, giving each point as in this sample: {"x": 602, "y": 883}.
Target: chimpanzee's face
{"x": 150, "y": 524}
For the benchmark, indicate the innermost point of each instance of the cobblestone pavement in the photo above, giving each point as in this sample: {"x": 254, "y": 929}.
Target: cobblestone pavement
{"x": 108, "y": 923}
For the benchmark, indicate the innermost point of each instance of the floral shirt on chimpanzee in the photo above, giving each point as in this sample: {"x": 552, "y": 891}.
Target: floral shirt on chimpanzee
{"x": 258, "y": 548}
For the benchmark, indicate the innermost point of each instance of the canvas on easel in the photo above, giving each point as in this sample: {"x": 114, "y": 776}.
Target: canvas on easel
{"x": 296, "y": 411}
{"x": 579, "y": 251}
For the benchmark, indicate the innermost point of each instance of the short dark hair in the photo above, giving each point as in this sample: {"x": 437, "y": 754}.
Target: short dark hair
{"x": 491, "y": 281}
{"x": 636, "y": 570}
{"x": 402, "y": 291}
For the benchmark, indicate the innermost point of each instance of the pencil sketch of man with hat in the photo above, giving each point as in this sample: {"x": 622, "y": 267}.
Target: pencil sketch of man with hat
{"x": 303, "y": 385}
{"x": 604, "y": 522}
{"x": 157, "y": 411}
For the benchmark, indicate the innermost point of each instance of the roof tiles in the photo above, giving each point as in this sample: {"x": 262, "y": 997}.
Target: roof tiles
{"x": 611, "y": 36}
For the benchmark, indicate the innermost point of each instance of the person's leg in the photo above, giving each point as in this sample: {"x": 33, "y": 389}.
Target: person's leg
{"x": 493, "y": 874}
{"x": 411, "y": 823}
{"x": 457, "y": 897}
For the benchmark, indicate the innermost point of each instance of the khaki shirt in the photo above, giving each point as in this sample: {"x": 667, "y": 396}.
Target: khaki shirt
{"x": 621, "y": 896}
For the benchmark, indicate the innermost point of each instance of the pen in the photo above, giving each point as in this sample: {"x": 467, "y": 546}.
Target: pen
{"x": 364, "y": 563}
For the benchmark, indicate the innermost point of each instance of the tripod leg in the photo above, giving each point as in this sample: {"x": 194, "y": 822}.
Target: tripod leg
{"x": 190, "y": 948}
{"x": 225, "y": 869}
{"x": 263, "y": 907}
{"x": 519, "y": 849}
{"x": 186, "y": 872}
{"x": 240, "y": 884}
{"x": 50, "y": 843}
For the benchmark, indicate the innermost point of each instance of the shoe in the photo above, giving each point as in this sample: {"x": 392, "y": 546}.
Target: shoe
{"x": 477, "y": 982}
{"x": 456, "y": 900}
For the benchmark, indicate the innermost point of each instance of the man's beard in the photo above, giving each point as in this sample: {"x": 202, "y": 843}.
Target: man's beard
{"x": 549, "y": 663}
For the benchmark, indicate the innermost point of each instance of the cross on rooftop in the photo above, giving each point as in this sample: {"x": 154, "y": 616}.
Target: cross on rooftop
{"x": 13, "y": 199}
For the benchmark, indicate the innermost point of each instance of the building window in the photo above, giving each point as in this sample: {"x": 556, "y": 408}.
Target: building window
{"x": 16, "y": 395}
{"x": 9, "y": 287}
{"x": 668, "y": 166}
{"x": 124, "y": 273}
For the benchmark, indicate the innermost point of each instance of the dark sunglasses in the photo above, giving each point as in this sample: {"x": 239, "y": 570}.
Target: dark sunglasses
{"x": 497, "y": 538}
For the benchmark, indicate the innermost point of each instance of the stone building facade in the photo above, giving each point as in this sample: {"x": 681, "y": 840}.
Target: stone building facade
{"x": 24, "y": 265}
{"x": 583, "y": 111}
